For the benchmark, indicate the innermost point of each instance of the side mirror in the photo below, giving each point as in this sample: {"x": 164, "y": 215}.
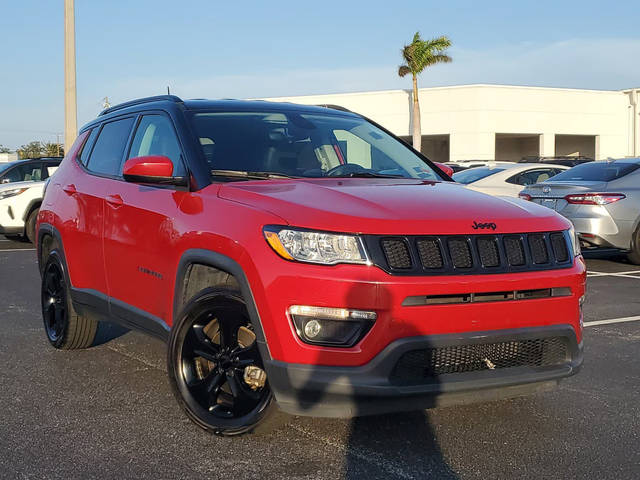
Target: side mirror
{"x": 156, "y": 169}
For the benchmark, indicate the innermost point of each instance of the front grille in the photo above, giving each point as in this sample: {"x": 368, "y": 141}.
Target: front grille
{"x": 430, "y": 253}
{"x": 488, "y": 250}
{"x": 469, "y": 254}
{"x": 538, "y": 249}
{"x": 418, "y": 366}
{"x": 460, "y": 253}
{"x": 559, "y": 246}
{"x": 397, "y": 252}
{"x": 515, "y": 251}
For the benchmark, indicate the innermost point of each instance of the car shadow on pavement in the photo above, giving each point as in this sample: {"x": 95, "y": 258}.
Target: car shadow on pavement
{"x": 395, "y": 445}
{"x": 108, "y": 331}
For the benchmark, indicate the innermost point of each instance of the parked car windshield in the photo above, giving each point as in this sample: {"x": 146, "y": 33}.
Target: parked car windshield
{"x": 303, "y": 145}
{"x": 474, "y": 174}
{"x": 6, "y": 166}
{"x": 596, "y": 171}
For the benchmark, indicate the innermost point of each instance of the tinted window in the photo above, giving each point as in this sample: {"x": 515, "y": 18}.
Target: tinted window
{"x": 155, "y": 136}
{"x": 304, "y": 144}
{"x": 26, "y": 172}
{"x": 532, "y": 176}
{"x": 596, "y": 172}
{"x": 474, "y": 174}
{"x": 86, "y": 148}
{"x": 107, "y": 152}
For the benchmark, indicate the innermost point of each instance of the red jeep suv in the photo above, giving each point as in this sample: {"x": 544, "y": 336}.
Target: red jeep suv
{"x": 302, "y": 259}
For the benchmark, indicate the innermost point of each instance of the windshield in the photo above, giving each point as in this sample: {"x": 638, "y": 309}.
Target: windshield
{"x": 303, "y": 145}
{"x": 474, "y": 174}
{"x": 595, "y": 172}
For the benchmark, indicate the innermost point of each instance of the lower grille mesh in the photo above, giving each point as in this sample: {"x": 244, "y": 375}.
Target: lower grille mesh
{"x": 397, "y": 252}
{"x": 416, "y": 366}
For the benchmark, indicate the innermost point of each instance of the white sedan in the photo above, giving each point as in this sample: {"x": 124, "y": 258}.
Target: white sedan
{"x": 506, "y": 178}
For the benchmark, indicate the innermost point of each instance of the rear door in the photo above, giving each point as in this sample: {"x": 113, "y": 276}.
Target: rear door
{"x": 141, "y": 229}
{"x": 100, "y": 161}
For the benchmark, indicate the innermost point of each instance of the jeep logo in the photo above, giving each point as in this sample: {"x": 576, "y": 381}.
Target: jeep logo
{"x": 483, "y": 226}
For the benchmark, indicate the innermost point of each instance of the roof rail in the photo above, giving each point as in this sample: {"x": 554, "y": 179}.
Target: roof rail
{"x": 139, "y": 101}
{"x": 334, "y": 107}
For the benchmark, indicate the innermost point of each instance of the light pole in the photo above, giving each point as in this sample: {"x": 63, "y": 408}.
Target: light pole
{"x": 70, "y": 105}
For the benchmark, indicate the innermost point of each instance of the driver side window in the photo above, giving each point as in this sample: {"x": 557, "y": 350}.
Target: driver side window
{"x": 155, "y": 136}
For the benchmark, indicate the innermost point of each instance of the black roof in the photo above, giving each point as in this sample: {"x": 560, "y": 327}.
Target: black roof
{"x": 171, "y": 101}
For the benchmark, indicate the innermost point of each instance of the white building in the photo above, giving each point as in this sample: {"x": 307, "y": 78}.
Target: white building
{"x": 8, "y": 157}
{"x": 502, "y": 122}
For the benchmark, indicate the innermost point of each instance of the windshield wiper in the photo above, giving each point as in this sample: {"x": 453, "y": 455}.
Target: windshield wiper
{"x": 366, "y": 175}
{"x": 249, "y": 175}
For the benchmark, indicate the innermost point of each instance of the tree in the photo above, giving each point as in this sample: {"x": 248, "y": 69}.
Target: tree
{"x": 418, "y": 55}
{"x": 31, "y": 150}
{"x": 4, "y": 149}
{"x": 52, "y": 149}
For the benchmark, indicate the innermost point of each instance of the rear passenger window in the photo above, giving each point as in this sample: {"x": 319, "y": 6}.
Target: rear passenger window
{"x": 86, "y": 148}
{"x": 155, "y": 136}
{"x": 107, "y": 153}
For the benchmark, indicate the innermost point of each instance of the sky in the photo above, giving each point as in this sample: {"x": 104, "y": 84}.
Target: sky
{"x": 251, "y": 49}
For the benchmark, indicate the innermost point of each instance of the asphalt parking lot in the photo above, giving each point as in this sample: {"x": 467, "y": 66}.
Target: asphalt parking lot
{"x": 107, "y": 412}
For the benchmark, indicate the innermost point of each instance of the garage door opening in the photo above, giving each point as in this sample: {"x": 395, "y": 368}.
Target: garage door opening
{"x": 434, "y": 147}
{"x": 512, "y": 147}
{"x": 576, "y": 145}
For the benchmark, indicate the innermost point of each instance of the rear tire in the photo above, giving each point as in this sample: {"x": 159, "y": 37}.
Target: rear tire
{"x": 30, "y": 225}
{"x": 211, "y": 346}
{"x": 634, "y": 255}
{"x": 65, "y": 328}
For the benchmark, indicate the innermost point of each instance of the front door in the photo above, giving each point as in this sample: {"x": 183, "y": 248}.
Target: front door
{"x": 140, "y": 231}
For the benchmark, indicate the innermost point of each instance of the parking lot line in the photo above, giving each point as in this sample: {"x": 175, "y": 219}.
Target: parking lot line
{"x": 18, "y": 250}
{"x": 612, "y": 320}
{"x": 627, "y": 274}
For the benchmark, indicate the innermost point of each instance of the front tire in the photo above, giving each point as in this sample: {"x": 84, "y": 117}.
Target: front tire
{"x": 211, "y": 349}
{"x": 30, "y": 226}
{"x": 65, "y": 329}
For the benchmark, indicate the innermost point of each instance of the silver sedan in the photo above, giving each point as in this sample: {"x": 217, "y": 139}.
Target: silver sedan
{"x": 602, "y": 200}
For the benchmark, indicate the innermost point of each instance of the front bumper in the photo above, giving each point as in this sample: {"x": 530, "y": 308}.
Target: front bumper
{"x": 11, "y": 230}
{"x": 370, "y": 389}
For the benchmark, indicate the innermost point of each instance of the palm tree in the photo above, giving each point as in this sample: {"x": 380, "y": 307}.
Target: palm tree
{"x": 418, "y": 55}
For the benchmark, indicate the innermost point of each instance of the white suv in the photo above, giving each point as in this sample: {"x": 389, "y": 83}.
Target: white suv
{"x": 20, "y": 202}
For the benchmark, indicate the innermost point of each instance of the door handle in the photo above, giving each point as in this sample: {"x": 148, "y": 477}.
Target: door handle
{"x": 114, "y": 201}
{"x": 70, "y": 189}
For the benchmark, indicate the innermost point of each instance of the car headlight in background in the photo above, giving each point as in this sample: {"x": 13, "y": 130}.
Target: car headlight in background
{"x": 316, "y": 247}
{"x": 575, "y": 242}
{"x": 11, "y": 193}
{"x": 340, "y": 327}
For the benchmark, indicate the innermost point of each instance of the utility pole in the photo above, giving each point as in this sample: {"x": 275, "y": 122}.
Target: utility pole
{"x": 70, "y": 104}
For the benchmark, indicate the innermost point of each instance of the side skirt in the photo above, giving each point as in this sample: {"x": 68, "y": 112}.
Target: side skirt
{"x": 107, "y": 309}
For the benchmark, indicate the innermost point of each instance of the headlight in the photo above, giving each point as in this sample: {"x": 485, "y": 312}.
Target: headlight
{"x": 11, "y": 193}
{"x": 316, "y": 247}
{"x": 575, "y": 242}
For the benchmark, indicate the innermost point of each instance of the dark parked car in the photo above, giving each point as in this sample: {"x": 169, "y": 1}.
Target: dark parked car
{"x": 566, "y": 160}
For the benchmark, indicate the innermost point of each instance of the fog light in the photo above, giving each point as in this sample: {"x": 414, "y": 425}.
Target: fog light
{"x": 312, "y": 329}
{"x": 331, "y": 326}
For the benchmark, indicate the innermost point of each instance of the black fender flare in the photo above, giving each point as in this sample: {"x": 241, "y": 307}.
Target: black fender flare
{"x": 229, "y": 265}
{"x": 48, "y": 229}
{"x": 36, "y": 202}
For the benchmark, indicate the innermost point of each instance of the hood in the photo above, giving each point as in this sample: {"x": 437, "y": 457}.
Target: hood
{"x": 391, "y": 206}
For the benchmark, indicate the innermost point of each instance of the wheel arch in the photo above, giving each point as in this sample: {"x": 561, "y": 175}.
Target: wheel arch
{"x": 33, "y": 204}
{"x": 223, "y": 264}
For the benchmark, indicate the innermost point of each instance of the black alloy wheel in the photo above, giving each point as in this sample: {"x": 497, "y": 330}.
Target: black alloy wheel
{"x": 55, "y": 310}
{"x": 215, "y": 366}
